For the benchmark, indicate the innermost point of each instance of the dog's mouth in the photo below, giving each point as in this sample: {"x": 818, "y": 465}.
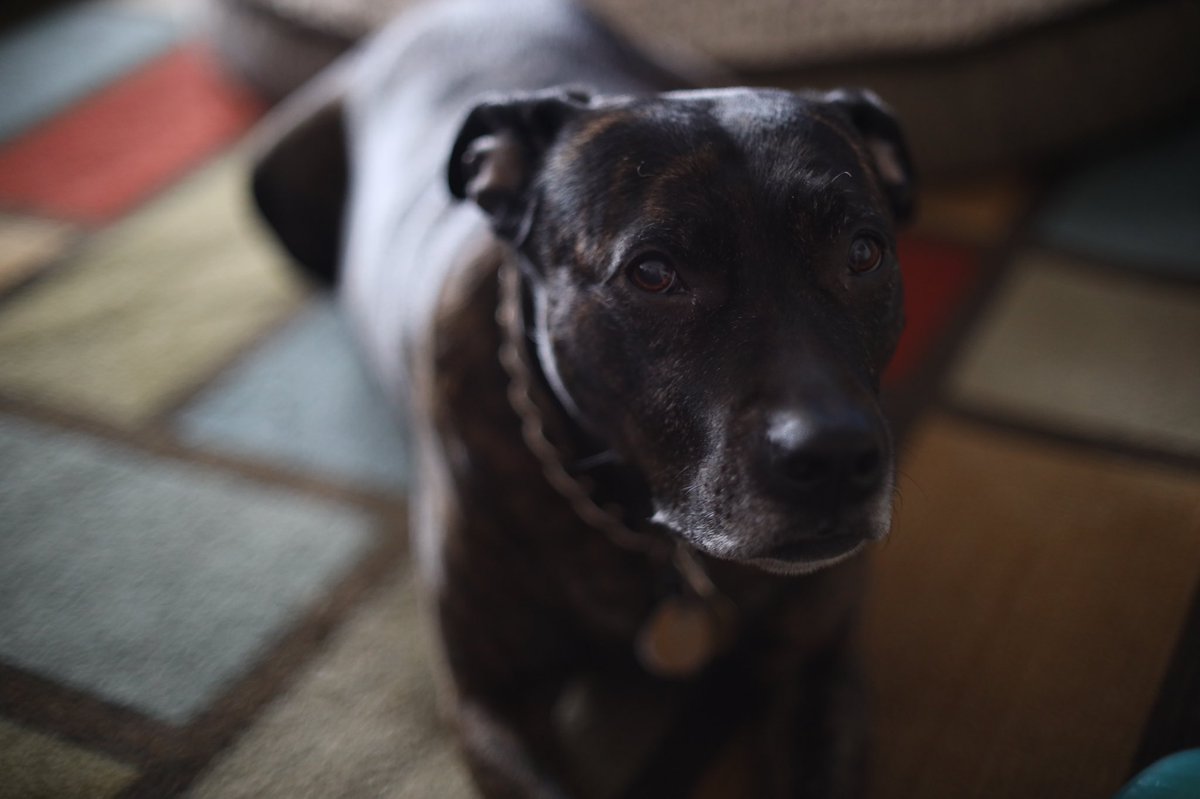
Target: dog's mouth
{"x": 744, "y": 523}
{"x": 809, "y": 549}
{"x": 810, "y": 554}
{"x": 794, "y": 547}
{"x": 790, "y": 549}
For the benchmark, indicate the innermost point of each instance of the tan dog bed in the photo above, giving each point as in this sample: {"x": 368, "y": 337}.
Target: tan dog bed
{"x": 977, "y": 82}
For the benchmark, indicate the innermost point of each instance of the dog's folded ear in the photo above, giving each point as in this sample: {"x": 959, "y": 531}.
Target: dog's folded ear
{"x": 881, "y": 133}
{"x": 499, "y": 149}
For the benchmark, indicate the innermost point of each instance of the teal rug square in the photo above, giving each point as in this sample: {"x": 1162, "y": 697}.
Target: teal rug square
{"x": 153, "y": 583}
{"x": 1141, "y": 208}
{"x": 303, "y": 401}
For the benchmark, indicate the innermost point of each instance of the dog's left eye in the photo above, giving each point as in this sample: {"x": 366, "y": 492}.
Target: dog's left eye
{"x": 653, "y": 274}
{"x": 866, "y": 253}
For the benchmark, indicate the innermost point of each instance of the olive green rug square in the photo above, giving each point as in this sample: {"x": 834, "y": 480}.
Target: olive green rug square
{"x": 148, "y": 309}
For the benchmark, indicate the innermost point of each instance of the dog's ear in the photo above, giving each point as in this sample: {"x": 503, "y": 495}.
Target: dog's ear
{"x": 501, "y": 146}
{"x": 881, "y": 133}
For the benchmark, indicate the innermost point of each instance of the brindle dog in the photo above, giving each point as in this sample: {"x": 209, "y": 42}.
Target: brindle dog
{"x": 641, "y": 364}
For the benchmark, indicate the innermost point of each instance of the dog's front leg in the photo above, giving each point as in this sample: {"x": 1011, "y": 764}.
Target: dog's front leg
{"x": 815, "y": 731}
{"x": 510, "y": 748}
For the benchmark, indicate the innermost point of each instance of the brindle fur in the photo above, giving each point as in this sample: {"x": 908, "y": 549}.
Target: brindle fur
{"x": 757, "y": 195}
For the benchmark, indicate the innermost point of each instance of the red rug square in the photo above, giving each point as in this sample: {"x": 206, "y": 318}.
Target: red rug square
{"x": 937, "y": 279}
{"x": 98, "y": 159}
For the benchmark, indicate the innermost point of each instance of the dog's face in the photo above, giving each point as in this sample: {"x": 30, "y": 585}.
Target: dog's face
{"x": 716, "y": 294}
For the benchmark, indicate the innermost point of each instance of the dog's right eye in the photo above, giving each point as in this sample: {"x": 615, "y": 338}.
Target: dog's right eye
{"x": 653, "y": 274}
{"x": 866, "y": 254}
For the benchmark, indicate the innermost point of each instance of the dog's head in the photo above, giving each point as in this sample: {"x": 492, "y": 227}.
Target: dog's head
{"x": 716, "y": 293}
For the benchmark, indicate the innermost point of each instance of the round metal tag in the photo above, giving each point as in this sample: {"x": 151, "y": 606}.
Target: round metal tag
{"x": 679, "y": 639}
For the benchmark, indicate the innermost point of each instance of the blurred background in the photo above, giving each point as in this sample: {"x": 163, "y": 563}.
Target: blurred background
{"x": 204, "y": 580}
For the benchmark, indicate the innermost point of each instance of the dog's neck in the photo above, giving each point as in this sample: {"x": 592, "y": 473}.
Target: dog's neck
{"x": 602, "y": 492}
{"x": 695, "y": 621}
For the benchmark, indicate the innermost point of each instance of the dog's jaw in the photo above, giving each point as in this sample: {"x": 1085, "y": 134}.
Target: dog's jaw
{"x": 728, "y": 541}
{"x": 880, "y": 526}
{"x": 788, "y": 568}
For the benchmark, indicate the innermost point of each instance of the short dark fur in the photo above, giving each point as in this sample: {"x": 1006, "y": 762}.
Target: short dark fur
{"x": 738, "y": 415}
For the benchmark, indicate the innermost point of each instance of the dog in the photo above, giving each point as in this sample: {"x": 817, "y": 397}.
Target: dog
{"x": 638, "y": 329}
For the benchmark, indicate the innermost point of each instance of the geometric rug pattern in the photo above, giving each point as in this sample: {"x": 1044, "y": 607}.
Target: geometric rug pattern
{"x": 1138, "y": 208}
{"x": 30, "y": 245}
{"x": 360, "y": 720}
{"x": 1101, "y": 354}
{"x": 204, "y": 581}
{"x": 37, "y": 766}
{"x": 149, "y": 307}
{"x": 173, "y": 574}
{"x": 62, "y": 56}
{"x": 79, "y": 165}
{"x": 303, "y": 400}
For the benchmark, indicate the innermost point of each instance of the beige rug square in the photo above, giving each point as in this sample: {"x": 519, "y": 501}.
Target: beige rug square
{"x": 149, "y": 307}
{"x": 36, "y": 766}
{"x": 360, "y": 721}
{"x": 1091, "y": 351}
{"x": 27, "y": 245}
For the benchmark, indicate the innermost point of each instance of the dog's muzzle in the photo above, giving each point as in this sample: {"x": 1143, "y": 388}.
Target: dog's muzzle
{"x": 831, "y": 473}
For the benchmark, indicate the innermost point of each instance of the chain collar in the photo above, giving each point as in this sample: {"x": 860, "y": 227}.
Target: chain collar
{"x": 684, "y": 631}
{"x": 528, "y": 399}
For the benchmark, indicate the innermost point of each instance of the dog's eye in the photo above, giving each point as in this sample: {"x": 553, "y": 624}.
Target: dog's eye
{"x": 653, "y": 274}
{"x": 866, "y": 253}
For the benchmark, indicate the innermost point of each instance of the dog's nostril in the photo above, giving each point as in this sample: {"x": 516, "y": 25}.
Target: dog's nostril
{"x": 826, "y": 525}
{"x": 866, "y": 467}
{"x": 806, "y": 471}
{"x": 842, "y": 458}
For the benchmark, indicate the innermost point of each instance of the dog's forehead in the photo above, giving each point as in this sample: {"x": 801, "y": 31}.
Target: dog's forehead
{"x": 751, "y": 112}
{"x": 780, "y": 142}
{"x": 679, "y": 161}
{"x": 742, "y": 123}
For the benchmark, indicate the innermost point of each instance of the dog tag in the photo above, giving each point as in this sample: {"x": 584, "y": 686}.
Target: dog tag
{"x": 679, "y": 638}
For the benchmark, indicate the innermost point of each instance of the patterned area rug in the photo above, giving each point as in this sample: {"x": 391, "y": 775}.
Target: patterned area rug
{"x": 204, "y": 581}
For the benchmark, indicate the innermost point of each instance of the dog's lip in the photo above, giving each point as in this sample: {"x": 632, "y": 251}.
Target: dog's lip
{"x": 814, "y": 547}
{"x": 809, "y": 555}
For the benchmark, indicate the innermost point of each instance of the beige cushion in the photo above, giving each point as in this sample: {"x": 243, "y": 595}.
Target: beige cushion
{"x": 978, "y": 83}
{"x": 771, "y": 34}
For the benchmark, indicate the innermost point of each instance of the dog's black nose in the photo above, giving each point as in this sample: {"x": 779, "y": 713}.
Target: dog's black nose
{"x": 836, "y": 459}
